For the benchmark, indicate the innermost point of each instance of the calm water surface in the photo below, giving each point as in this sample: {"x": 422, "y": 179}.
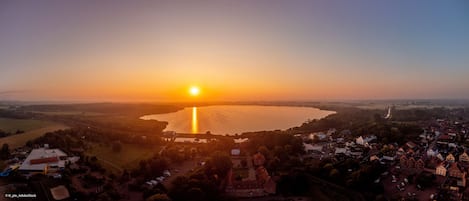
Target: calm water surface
{"x": 232, "y": 119}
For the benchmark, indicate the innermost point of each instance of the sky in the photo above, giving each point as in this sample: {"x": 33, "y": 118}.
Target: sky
{"x": 234, "y": 50}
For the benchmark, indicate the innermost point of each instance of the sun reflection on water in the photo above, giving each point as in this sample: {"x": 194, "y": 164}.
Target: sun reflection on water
{"x": 195, "y": 125}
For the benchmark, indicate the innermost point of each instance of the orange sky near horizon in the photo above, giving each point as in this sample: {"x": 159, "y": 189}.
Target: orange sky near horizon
{"x": 234, "y": 51}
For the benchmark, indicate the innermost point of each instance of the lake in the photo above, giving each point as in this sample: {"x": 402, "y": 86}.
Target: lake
{"x": 236, "y": 119}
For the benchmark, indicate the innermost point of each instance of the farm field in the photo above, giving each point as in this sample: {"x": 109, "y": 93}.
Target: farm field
{"x": 19, "y": 140}
{"x": 128, "y": 158}
{"x": 65, "y": 113}
{"x": 12, "y": 125}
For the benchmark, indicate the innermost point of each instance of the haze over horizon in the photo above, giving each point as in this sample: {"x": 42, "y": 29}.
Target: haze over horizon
{"x": 233, "y": 50}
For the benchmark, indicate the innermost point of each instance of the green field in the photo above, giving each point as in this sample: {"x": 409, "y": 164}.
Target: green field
{"x": 68, "y": 113}
{"x": 20, "y": 140}
{"x": 12, "y": 125}
{"x": 128, "y": 158}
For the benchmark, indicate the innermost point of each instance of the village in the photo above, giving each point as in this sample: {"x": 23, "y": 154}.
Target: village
{"x": 433, "y": 166}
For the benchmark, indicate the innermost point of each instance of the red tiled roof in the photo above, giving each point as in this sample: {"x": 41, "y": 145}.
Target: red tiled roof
{"x": 444, "y": 137}
{"x": 44, "y": 160}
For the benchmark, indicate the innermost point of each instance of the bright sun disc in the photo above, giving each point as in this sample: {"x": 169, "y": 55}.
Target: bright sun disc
{"x": 194, "y": 91}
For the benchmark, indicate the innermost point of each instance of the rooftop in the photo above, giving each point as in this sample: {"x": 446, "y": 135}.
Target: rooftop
{"x": 39, "y": 158}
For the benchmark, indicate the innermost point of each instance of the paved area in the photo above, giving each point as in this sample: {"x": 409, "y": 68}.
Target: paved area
{"x": 180, "y": 170}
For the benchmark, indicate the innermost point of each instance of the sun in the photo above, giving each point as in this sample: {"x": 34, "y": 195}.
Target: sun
{"x": 194, "y": 90}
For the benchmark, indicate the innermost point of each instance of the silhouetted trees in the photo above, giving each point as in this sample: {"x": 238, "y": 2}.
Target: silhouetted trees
{"x": 158, "y": 197}
{"x": 117, "y": 146}
{"x": 5, "y": 152}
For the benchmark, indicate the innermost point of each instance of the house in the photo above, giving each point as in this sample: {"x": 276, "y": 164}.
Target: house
{"x": 345, "y": 132}
{"x": 235, "y": 152}
{"x": 400, "y": 151}
{"x": 319, "y": 136}
{"x": 411, "y": 162}
{"x": 339, "y": 139}
{"x": 340, "y": 151}
{"x": 432, "y": 152}
{"x": 439, "y": 156}
{"x": 455, "y": 171}
{"x": 440, "y": 170}
{"x": 240, "y": 140}
{"x": 403, "y": 161}
{"x": 360, "y": 140}
{"x": 44, "y": 160}
{"x": 373, "y": 158}
{"x": 450, "y": 158}
{"x": 365, "y": 140}
{"x": 458, "y": 173}
{"x": 411, "y": 145}
{"x": 419, "y": 164}
{"x": 370, "y": 138}
{"x": 331, "y": 131}
{"x": 311, "y": 148}
{"x": 262, "y": 175}
{"x": 464, "y": 157}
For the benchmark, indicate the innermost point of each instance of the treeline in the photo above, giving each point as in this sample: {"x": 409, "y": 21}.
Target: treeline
{"x": 76, "y": 138}
{"x": 425, "y": 114}
{"x": 129, "y": 109}
{"x": 351, "y": 174}
{"x": 362, "y": 122}
{"x": 15, "y": 114}
{"x": 343, "y": 119}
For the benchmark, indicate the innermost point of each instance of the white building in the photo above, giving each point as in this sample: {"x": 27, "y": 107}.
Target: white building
{"x": 310, "y": 147}
{"x": 360, "y": 140}
{"x": 235, "y": 152}
{"x": 340, "y": 151}
{"x": 44, "y": 160}
{"x": 319, "y": 136}
{"x": 431, "y": 152}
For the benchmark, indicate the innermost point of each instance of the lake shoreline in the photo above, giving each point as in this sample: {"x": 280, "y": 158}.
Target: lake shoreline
{"x": 238, "y": 118}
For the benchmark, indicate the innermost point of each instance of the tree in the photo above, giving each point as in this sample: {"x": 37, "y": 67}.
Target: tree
{"x": 158, "y": 197}
{"x": 5, "y": 151}
{"x": 117, "y": 146}
{"x": 264, "y": 151}
{"x": 157, "y": 166}
{"x": 244, "y": 163}
{"x": 196, "y": 194}
{"x": 220, "y": 163}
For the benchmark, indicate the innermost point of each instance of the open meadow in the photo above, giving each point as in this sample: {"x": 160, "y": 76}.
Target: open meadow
{"x": 128, "y": 158}
{"x": 12, "y": 125}
{"x": 19, "y": 140}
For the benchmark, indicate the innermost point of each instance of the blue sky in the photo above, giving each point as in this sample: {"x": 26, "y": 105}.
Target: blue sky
{"x": 235, "y": 50}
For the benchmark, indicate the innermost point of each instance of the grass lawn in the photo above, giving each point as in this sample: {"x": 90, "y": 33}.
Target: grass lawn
{"x": 128, "y": 158}
{"x": 12, "y": 125}
{"x": 19, "y": 140}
